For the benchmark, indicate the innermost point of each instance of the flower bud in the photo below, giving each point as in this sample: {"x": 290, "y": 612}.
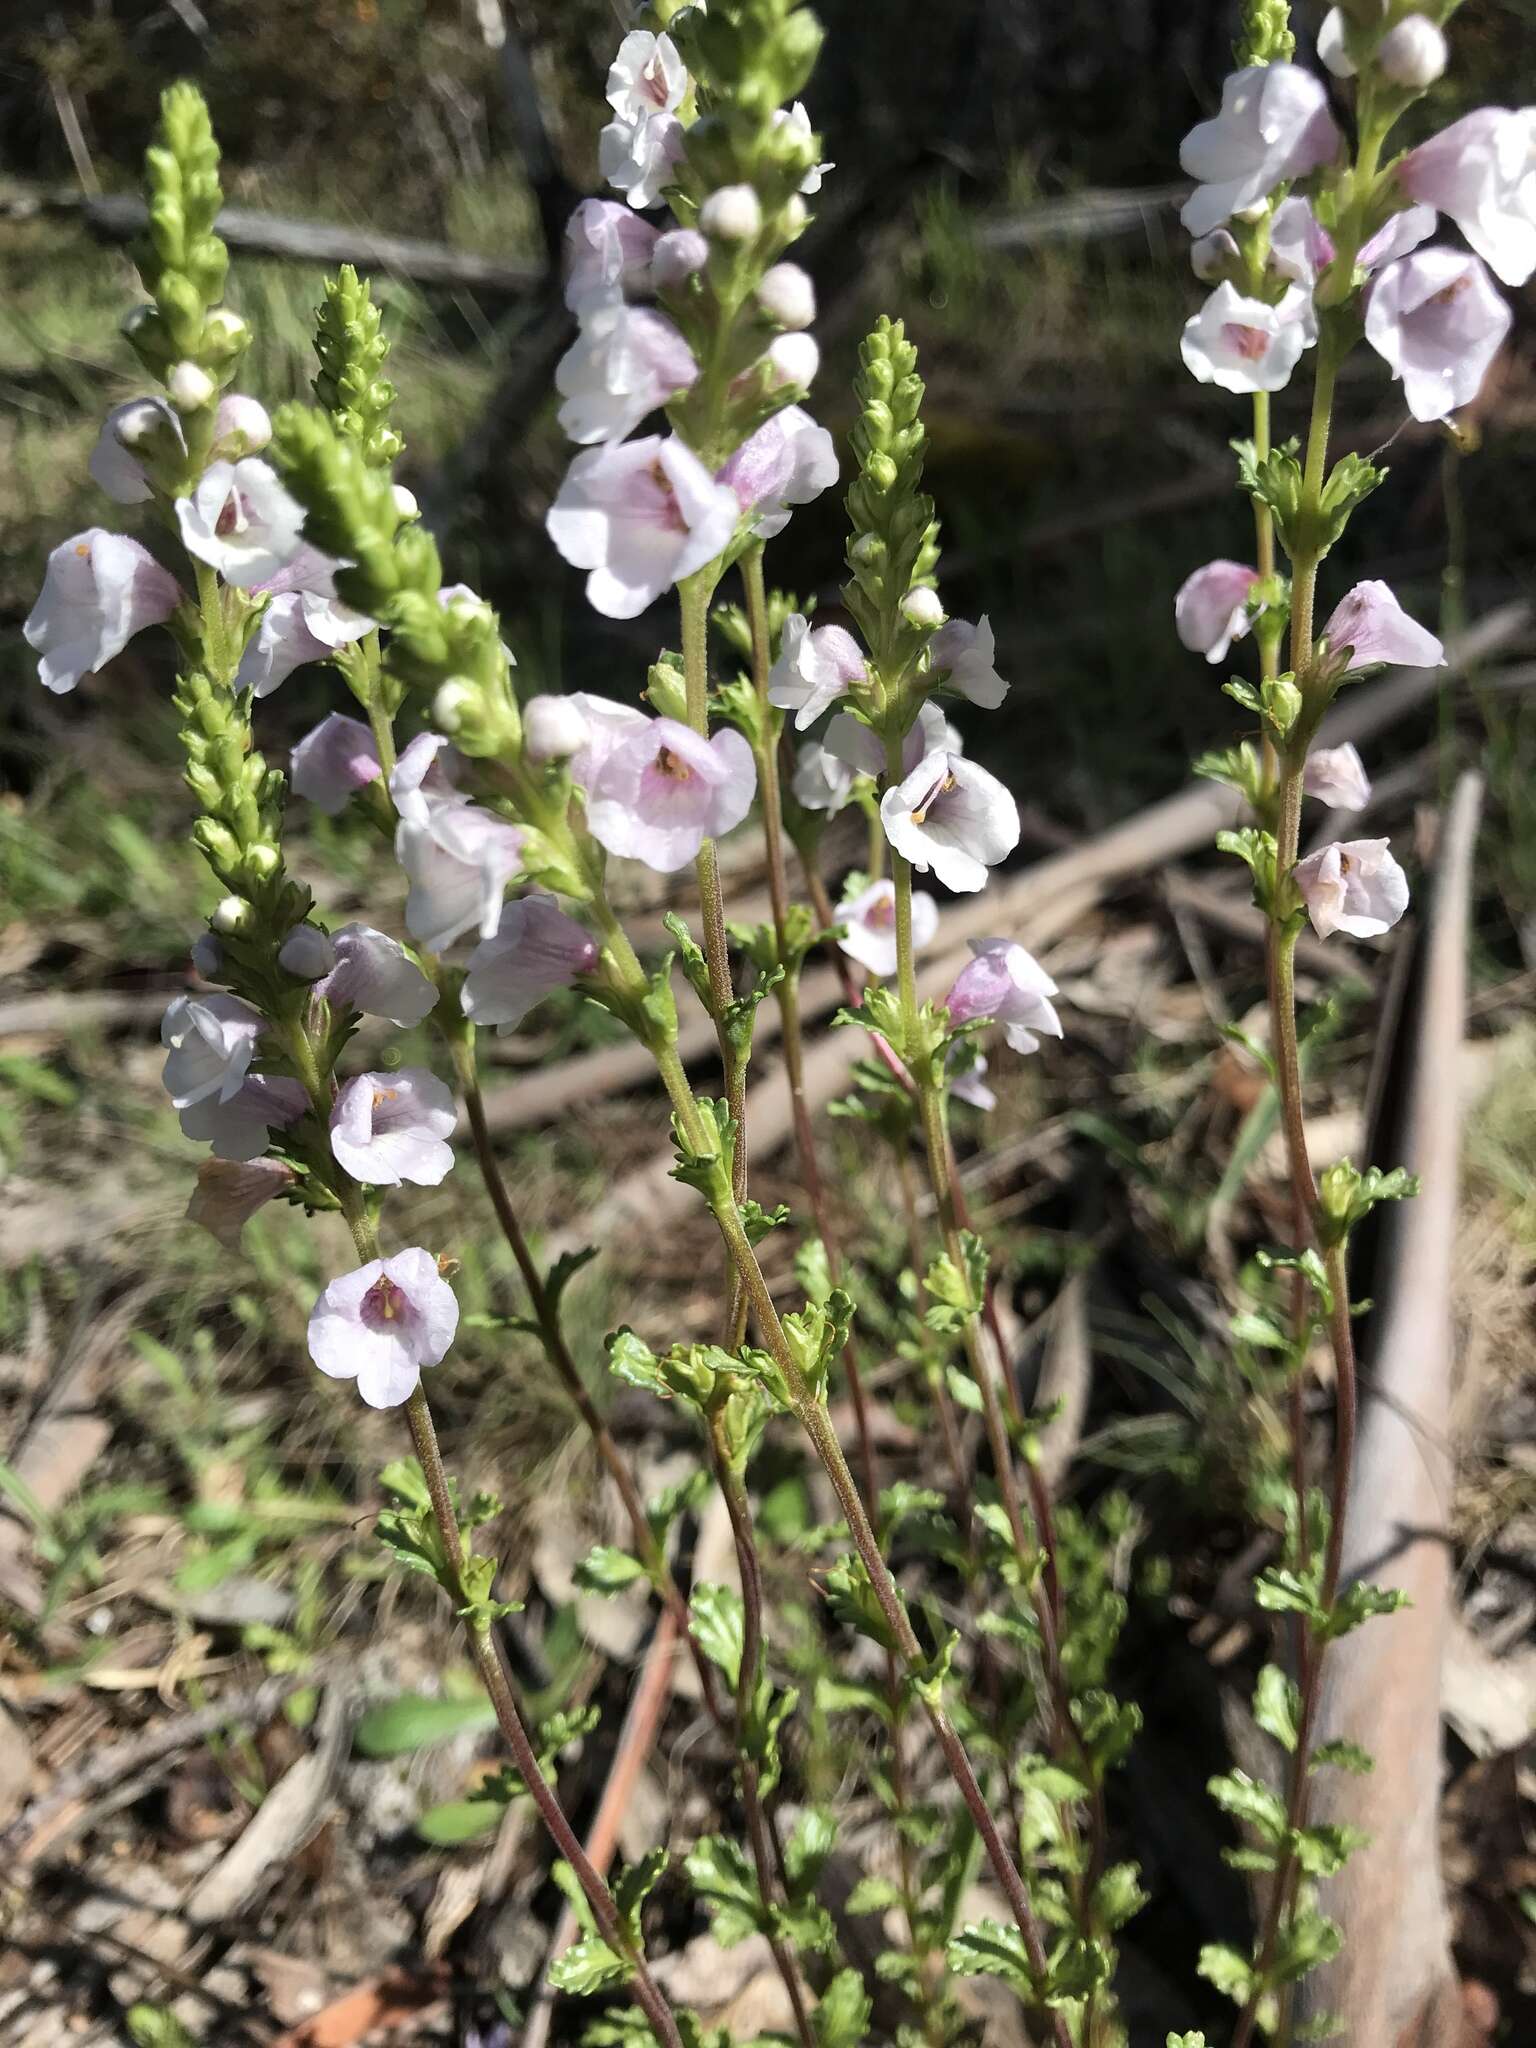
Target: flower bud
{"x": 454, "y": 698}
{"x": 793, "y": 215}
{"x": 226, "y": 332}
{"x": 1330, "y": 44}
{"x": 787, "y": 295}
{"x": 190, "y": 386}
{"x": 921, "y": 607}
{"x": 306, "y": 953}
{"x": 262, "y": 860}
{"x": 732, "y": 214}
{"x": 553, "y": 729}
{"x": 1214, "y": 257}
{"x": 241, "y": 427}
{"x": 405, "y": 502}
{"x": 793, "y": 359}
{"x": 1413, "y": 54}
{"x": 676, "y": 256}
{"x": 208, "y": 956}
{"x": 232, "y": 915}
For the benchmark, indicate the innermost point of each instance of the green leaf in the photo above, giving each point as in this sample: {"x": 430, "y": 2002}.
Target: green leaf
{"x": 986, "y": 1948}
{"x": 634, "y": 1885}
{"x": 1325, "y": 1847}
{"x": 680, "y": 1499}
{"x": 1118, "y": 1895}
{"x": 586, "y": 1966}
{"x": 1358, "y": 1603}
{"x": 964, "y": 1390}
{"x": 726, "y": 1885}
{"x": 459, "y": 1820}
{"x": 1257, "y": 1806}
{"x": 607, "y": 1570}
{"x": 1277, "y": 1705}
{"x": 1228, "y": 1969}
{"x": 1341, "y": 1755}
{"x": 873, "y": 1895}
{"x": 851, "y": 1696}
{"x": 806, "y": 1851}
{"x": 718, "y": 1626}
{"x": 413, "y": 1721}
{"x": 842, "y": 2014}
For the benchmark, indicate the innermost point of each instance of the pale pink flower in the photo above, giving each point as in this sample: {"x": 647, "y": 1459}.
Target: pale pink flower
{"x": 659, "y": 795}
{"x": 640, "y": 516}
{"x": 389, "y": 1128}
{"x": 100, "y": 589}
{"x": 458, "y": 859}
{"x": 425, "y": 773}
{"x": 298, "y": 626}
{"x": 608, "y": 252}
{"x": 1370, "y": 622}
{"x": 1354, "y": 887}
{"x": 229, "y": 1193}
{"x": 1211, "y": 609}
{"x": 241, "y": 521}
{"x": 787, "y": 462}
{"x": 820, "y": 782}
{"x": 1398, "y": 237}
{"x": 626, "y": 362}
{"x": 798, "y": 122}
{"x": 210, "y": 1042}
{"x": 554, "y": 728}
{"x": 965, "y": 654}
{"x": 1006, "y": 982}
{"x": 1481, "y": 171}
{"x": 952, "y": 818}
{"x": 816, "y": 665}
{"x": 971, "y": 1085}
{"x": 381, "y": 1324}
{"x": 535, "y": 950}
{"x": 787, "y": 295}
{"x": 647, "y": 77}
{"x": 1300, "y": 247}
{"x": 1243, "y": 344}
{"x": 850, "y": 740}
{"x": 375, "y": 974}
{"x": 331, "y": 763}
{"x": 240, "y": 1127}
{"x": 792, "y": 361}
{"x": 116, "y": 462}
{"x": 638, "y": 158}
{"x": 1437, "y": 321}
{"x": 1336, "y": 776}
{"x": 1274, "y": 126}
{"x": 870, "y": 918}
{"x": 606, "y": 722}
{"x": 241, "y": 426}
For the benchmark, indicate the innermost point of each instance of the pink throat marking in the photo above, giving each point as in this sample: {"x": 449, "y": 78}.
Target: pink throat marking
{"x": 672, "y": 766}
{"x": 384, "y": 1303}
{"x": 1249, "y": 342}
{"x": 231, "y": 517}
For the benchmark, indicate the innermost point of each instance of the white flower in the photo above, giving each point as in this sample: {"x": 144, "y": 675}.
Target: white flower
{"x": 798, "y": 121}
{"x": 240, "y": 1127}
{"x": 647, "y": 77}
{"x": 210, "y": 1042}
{"x": 1402, "y": 233}
{"x": 1242, "y": 344}
{"x": 820, "y": 782}
{"x": 1274, "y": 125}
{"x": 1332, "y": 49}
{"x": 298, "y": 626}
{"x": 640, "y": 516}
{"x": 638, "y": 158}
{"x": 241, "y": 521}
{"x": 965, "y": 655}
{"x": 1482, "y": 172}
{"x": 608, "y": 254}
{"x": 116, "y": 463}
{"x": 554, "y": 728}
{"x": 953, "y": 818}
{"x": 1211, "y": 609}
{"x": 1372, "y": 625}
{"x": 375, "y": 974}
{"x": 1437, "y": 321}
{"x": 1412, "y": 53}
{"x": 425, "y": 773}
{"x": 100, "y": 589}
{"x": 787, "y": 462}
{"x": 662, "y": 792}
{"x": 1005, "y": 981}
{"x": 1299, "y": 246}
{"x": 625, "y": 362}
{"x": 1336, "y": 776}
{"x": 850, "y": 740}
{"x": 732, "y": 214}
{"x": 1356, "y": 887}
{"x": 870, "y": 918}
{"x": 678, "y": 255}
{"x": 787, "y": 295}
{"x": 793, "y": 360}
{"x": 814, "y": 668}
{"x": 459, "y": 860}
{"x": 535, "y": 950}
{"x": 306, "y": 953}
{"x": 330, "y": 764}
{"x": 646, "y": 85}
{"x": 390, "y": 1128}
{"x": 381, "y": 1324}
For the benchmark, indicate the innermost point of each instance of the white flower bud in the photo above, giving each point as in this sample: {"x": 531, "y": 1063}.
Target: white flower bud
{"x": 225, "y": 330}
{"x": 1414, "y": 53}
{"x": 1214, "y": 257}
{"x": 191, "y": 387}
{"x": 787, "y": 295}
{"x": 454, "y": 697}
{"x": 921, "y": 607}
{"x": 1330, "y": 44}
{"x": 232, "y": 915}
{"x": 793, "y": 359}
{"x": 405, "y": 502}
{"x": 306, "y": 953}
{"x": 732, "y": 214}
{"x": 793, "y": 215}
{"x": 553, "y": 729}
{"x": 138, "y": 424}
{"x": 242, "y": 426}
{"x": 208, "y": 956}
{"x": 263, "y": 860}
{"x": 677, "y": 255}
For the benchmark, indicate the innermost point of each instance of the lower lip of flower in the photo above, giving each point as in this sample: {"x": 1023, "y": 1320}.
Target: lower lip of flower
{"x": 1248, "y": 342}
{"x": 1454, "y": 290}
